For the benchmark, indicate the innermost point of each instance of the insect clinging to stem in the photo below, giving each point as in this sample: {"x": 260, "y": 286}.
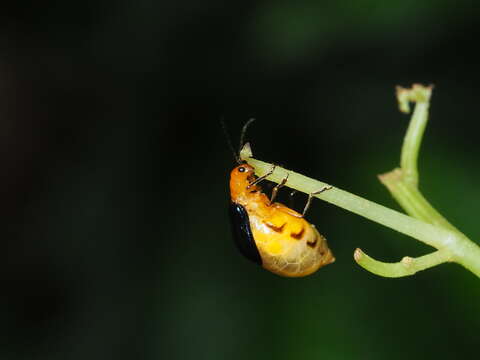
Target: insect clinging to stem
{"x": 270, "y": 233}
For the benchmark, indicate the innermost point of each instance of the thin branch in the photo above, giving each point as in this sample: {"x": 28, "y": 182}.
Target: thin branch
{"x": 411, "y": 199}
{"x": 403, "y": 182}
{"x": 406, "y": 267}
{"x": 413, "y": 137}
{"x": 425, "y": 223}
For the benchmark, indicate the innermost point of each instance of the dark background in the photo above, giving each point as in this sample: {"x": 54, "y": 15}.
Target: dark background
{"x": 115, "y": 241}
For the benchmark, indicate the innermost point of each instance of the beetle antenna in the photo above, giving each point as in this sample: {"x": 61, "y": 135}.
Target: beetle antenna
{"x": 229, "y": 141}
{"x": 244, "y": 130}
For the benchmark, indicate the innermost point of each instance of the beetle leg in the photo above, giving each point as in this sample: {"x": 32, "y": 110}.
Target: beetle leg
{"x": 278, "y": 187}
{"x": 256, "y": 181}
{"x": 310, "y": 197}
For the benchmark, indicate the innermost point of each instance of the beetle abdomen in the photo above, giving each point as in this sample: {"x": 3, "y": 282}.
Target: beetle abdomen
{"x": 289, "y": 246}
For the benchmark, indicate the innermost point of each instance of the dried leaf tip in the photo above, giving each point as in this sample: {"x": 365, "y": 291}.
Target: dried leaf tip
{"x": 246, "y": 151}
{"x": 417, "y": 93}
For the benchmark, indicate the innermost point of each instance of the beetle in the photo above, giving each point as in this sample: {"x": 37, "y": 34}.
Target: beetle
{"x": 271, "y": 234}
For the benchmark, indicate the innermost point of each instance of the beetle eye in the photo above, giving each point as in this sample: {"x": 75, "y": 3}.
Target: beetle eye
{"x": 241, "y": 169}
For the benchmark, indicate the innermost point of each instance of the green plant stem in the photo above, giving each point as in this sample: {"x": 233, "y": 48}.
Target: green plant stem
{"x": 458, "y": 246}
{"x": 405, "y": 224}
{"x": 407, "y": 266}
{"x": 413, "y": 137}
{"x": 412, "y": 200}
{"x": 425, "y": 223}
{"x": 403, "y": 182}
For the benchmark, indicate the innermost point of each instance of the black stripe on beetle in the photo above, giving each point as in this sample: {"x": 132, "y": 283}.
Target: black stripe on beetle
{"x": 242, "y": 234}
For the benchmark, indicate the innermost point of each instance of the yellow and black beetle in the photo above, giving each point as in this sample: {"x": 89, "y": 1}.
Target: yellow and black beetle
{"x": 271, "y": 234}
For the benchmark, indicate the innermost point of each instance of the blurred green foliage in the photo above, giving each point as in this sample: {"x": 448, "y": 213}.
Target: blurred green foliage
{"x": 115, "y": 238}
